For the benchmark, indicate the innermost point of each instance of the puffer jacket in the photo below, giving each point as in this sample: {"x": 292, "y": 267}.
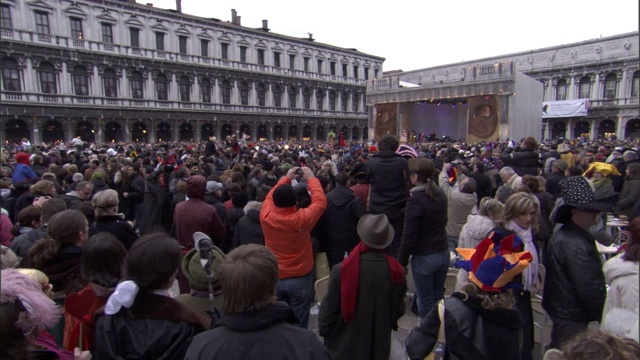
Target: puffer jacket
{"x": 287, "y": 231}
{"x": 574, "y": 287}
{"x": 474, "y": 231}
{"x": 622, "y": 276}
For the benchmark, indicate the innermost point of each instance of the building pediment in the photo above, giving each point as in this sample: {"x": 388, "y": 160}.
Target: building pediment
{"x": 133, "y": 21}
{"x": 40, "y": 5}
{"x": 75, "y": 11}
{"x": 105, "y": 16}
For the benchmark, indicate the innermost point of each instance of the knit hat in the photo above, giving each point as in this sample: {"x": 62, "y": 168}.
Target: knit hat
{"x": 22, "y": 158}
{"x": 285, "y": 167}
{"x": 602, "y": 168}
{"x": 196, "y": 274}
{"x": 375, "y": 231}
{"x": 284, "y": 196}
{"x": 240, "y": 199}
{"x": 561, "y": 165}
{"x": 494, "y": 263}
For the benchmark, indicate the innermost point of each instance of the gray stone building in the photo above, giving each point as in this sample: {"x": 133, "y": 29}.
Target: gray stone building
{"x": 591, "y": 86}
{"x": 107, "y": 70}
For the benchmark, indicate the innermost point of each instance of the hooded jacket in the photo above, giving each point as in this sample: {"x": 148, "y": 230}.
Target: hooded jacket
{"x": 270, "y": 333}
{"x": 388, "y": 174}
{"x": 474, "y": 231}
{"x": 196, "y": 215}
{"x": 622, "y": 277}
{"x": 23, "y": 171}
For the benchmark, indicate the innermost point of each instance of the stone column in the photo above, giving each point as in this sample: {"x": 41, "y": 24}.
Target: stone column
{"x": 36, "y": 134}
{"x": 176, "y": 131}
{"x": 620, "y": 127}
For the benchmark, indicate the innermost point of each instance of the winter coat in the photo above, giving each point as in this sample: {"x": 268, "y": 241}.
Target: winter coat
{"x": 155, "y": 327}
{"x": 63, "y": 270}
{"x": 248, "y": 229}
{"x": 388, "y": 174}
{"x": 603, "y": 189}
{"x": 552, "y": 185}
{"x": 622, "y": 277}
{"x": 287, "y": 231}
{"x": 574, "y": 287}
{"x": 459, "y": 205}
{"x": 380, "y": 303}
{"x": 196, "y": 215}
{"x": 474, "y": 231}
{"x": 525, "y": 162}
{"x": 270, "y": 333}
{"x": 628, "y": 197}
{"x": 471, "y": 331}
{"x": 425, "y": 221}
{"x": 116, "y": 226}
{"x": 340, "y": 219}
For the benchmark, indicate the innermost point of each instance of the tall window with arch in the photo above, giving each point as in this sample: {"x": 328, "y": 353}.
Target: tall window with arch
{"x": 110, "y": 82}
{"x": 261, "y": 91}
{"x": 11, "y": 75}
{"x": 185, "y": 88}
{"x": 48, "y": 83}
{"x": 80, "y": 80}
{"x": 225, "y": 90}
{"x": 205, "y": 90}
{"x": 162, "y": 87}
{"x": 137, "y": 85}
{"x": 585, "y": 88}
{"x": 610, "y": 86}
{"x": 561, "y": 89}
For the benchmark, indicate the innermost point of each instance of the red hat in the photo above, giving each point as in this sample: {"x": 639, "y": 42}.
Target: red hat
{"x": 372, "y": 148}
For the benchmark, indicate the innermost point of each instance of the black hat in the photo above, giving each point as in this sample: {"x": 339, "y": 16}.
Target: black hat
{"x": 284, "y": 196}
{"x": 577, "y": 194}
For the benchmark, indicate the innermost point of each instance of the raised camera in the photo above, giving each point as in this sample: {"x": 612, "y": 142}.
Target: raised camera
{"x": 299, "y": 172}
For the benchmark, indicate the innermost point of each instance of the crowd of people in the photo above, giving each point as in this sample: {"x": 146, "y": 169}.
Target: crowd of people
{"x": 94, "y": 236}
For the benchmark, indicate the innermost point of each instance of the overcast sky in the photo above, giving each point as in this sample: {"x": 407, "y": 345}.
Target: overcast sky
{"x": 414, "y": 34}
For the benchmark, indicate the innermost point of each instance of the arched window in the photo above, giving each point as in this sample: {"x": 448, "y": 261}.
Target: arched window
{"x": 11, "y": 75}
{"x": 162, "y": 87}
{"x": 561, "y": 90}
{"x": 277, "y": 96}
{"x": 344, "y": 100}
{"x": 137, "y": 85}
{"x": 332, "y": 100}
{"x": 585, "y": 88}
{"x": 48, "y": 83}
{"x": 110, "y": 82}
{"x": 185, "y": 88}
{"x": 80, "y": 80}
{"x": 262, "y": 94}
{"x": 244, "y": 93}
{"x": 225, "y": 88}
{"x": 319, "y": 99}
{"x": 635, "y": 84}
{"x": 306, "y": 98}
{"x": 205, "y": 90}
{"x": 355, "y": 103}
{"x": 292, "y": 92}
{"x": 610, "y": 86}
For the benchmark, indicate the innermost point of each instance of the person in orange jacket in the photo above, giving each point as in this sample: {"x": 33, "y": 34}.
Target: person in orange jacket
{"x": 287, "y": 233}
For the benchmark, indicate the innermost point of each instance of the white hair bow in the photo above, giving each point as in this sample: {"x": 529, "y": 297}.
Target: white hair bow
{"x": 124, "y": 295}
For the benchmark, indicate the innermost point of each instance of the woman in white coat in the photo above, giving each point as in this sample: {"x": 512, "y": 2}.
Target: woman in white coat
{"x": 620, "y": 314}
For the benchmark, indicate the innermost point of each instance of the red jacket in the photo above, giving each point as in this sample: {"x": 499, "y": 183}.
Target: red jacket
{"x": 287, "y": 231}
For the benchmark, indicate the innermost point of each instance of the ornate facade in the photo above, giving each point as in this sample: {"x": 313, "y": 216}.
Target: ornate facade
{"x": 109, "y": 71}
{"x": 604, "y": 71}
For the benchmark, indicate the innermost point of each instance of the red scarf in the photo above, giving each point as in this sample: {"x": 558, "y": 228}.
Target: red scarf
{"x": 350, "y": 274}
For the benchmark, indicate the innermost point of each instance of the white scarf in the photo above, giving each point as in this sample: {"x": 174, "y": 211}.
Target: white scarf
{"x": 530, "y": 274}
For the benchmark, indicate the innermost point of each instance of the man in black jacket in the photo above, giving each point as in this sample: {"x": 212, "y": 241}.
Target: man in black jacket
{"x": 340, "y": 220}
{"x": 252, "y": 325}
{"x": 574, "y": 287}
{"x": 483, "y": 181}
{"x": 526, "y": 161}
{"x": 388, "y": 174}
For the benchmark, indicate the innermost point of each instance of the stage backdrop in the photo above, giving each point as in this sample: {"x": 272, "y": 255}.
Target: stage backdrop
{"x": 443, "y": 120}
{"x": 386, "y": 120}
{"x": 483, "y": 119}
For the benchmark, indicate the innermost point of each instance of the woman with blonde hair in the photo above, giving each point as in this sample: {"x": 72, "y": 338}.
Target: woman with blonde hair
{"x": 109, "y": 220}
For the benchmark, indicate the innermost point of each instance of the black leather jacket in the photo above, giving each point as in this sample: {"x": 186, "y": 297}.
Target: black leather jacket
{"x": 525, "y": 162}
{"x": 574, "y": 287}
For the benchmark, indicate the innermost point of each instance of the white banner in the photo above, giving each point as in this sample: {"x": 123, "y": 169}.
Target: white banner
{"x": 565, "y": 108}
